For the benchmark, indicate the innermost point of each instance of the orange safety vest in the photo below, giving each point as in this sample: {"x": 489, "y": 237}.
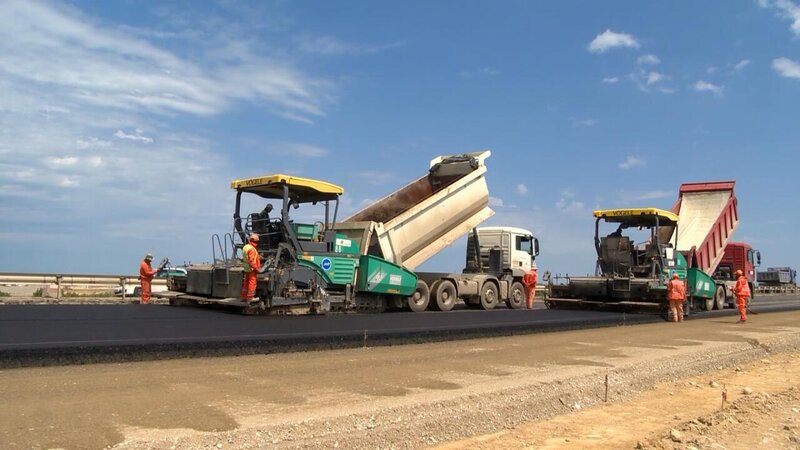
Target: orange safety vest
{"x": 146, "y": 272}
{"x": 676, "y": 290}
{"x": 530, "y": 278}
{"x": 250, "y": 259}
{"x": 742, "y": 289}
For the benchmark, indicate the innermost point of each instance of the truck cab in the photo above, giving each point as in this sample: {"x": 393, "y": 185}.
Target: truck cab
{"x": 502, "y": 249}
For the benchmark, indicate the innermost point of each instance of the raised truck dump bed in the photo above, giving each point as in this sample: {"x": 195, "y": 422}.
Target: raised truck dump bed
{"x": 417, "y": 221}
{"x": 708, "y": 218}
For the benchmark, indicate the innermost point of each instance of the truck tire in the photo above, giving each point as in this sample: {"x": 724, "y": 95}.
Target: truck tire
{"x": 719, "y": 298}
{"x": 488, "y": 295}
{"x": 418, "y": 301}
{"x": 516, "y": 296}
{"x": 707, "y": 304}
{"x": 444, "y": 295}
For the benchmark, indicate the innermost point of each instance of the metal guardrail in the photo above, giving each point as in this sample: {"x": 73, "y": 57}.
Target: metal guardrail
{"x": 787, "y": 289}
{"x": 61, "y": 281}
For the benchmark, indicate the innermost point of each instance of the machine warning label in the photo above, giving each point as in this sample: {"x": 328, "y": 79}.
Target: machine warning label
{"x": 395, "y": 280}
{"x": 326, "y": 264}
{"x": 343, "y": 242}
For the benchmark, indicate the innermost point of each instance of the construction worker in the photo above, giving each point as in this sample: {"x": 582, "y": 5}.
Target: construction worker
{"x": 146, "y": 274}
{"x": 252, "y": 264}
{"x": 742, "y": 293}
{"x": 676, "y": 295}
{"x": 529, "y": 281}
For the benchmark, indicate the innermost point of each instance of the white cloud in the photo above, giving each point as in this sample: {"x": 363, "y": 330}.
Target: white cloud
{"x": 786, "y": 67}
{"x": 68, "y": 182}
{"x": 566, "y": 205}
{"x": 648, "y": 59}
{"x": 496, "y": 202}
{"x": 299, "y": 150}
{"x": 136, "y": 136}
{"x": 584, "y": 122}
{"x": 92, "y": 142}
{"x": 741, "y": 64}
{"x": 483, "y": 71}
{"x": 95, "y": 161}
{"x": 41, "y": 42}
{"x": 62, "y": 161}
{"x": 631, "y": 162}
{"x": 654, "y": 77}
{"x": 704, "y": 86}
{"x": 522, "y": 189}
{"x": 645, "y": 81}
{"x": 653, "y": 195}
{"x": 608, "y": 40}
{"x": 331, "y": 46}
{"x": 785, "y": 9}
{"x": 610, "y": 80}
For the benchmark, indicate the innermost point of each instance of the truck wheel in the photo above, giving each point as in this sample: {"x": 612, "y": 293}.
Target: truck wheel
{"x": 516, "y": 296}
{"x": 488, "y": 296}
{"x": 418, "y": 301}
{"x": 719, "y": 298}
{"x": 445, "y": 295}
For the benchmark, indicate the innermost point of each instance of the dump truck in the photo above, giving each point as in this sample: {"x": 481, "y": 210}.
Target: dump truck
{"x": 737, "y": 256}
{"x": 778, "y": 276}
{"x": 366, "y": 262}
{"x": 689, "y": 240}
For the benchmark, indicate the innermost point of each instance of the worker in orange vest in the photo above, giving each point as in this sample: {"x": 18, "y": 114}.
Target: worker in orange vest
{"x": 742, "y": 293}
{"x": 146, "y": 274}
{"x": 252, "y": 264}
{"x": 529, "y": 281}
{"x": 676, "y": 295}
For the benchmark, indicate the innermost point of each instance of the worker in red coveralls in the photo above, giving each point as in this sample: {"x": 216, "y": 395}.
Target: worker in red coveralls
{"x": 676, "y": 295}
{"x": 252, "y": 264}
{"x": 742, "y": 293}
{"x": 146, "y": 274}
{"x": 529, "y": 281}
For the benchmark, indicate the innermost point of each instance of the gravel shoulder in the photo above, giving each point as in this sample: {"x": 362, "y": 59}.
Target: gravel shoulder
{"x": 538, "y": 390}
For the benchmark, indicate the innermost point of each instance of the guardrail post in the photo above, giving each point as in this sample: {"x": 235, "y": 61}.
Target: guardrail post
{"x": 122, "y": 283}
{"x": 58, "y": 286}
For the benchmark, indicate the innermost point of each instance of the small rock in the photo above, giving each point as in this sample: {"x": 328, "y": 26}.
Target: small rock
{"x": 738, "y": 369}
{"x": 747, "y": 391}
{"x": 713, "y": 384}
{"x": 675, "y": 435}
{"x": 219, "y": 445}
{"x": 766, "y": 361}
{"x": 567, "y": 440}
{"x": 794, "y": 439}
{"x": 795, "y": 410}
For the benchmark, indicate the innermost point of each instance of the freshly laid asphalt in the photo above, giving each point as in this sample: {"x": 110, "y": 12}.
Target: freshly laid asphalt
{"x": 65, "y": 334}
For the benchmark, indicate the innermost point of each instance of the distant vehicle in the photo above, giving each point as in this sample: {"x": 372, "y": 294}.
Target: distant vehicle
{"x": 134, "y": 290}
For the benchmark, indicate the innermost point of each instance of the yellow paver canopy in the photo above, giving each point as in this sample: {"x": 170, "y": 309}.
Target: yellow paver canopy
{"x": 302, "y": 190}
{"x": 637, "y": 216}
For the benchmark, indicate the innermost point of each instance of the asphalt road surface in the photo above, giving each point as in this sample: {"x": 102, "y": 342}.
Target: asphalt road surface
{"x": 56, "y": 334}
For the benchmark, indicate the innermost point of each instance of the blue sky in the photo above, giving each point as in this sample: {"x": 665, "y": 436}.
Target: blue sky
{"x": 122, "y": 123}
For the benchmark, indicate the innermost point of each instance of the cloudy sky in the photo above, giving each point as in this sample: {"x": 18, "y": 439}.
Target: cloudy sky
{"x": 122, "y": 123}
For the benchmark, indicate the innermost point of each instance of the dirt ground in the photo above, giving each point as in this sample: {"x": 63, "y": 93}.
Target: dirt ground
{"x": 665, "y": 384}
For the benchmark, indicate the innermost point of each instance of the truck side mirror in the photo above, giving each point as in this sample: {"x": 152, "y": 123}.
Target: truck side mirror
{"x": 758, "y": 258}
{"x": 535, "y": 247}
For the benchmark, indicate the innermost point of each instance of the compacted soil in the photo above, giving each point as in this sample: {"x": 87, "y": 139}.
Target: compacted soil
{"x": 664, "y": 390}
